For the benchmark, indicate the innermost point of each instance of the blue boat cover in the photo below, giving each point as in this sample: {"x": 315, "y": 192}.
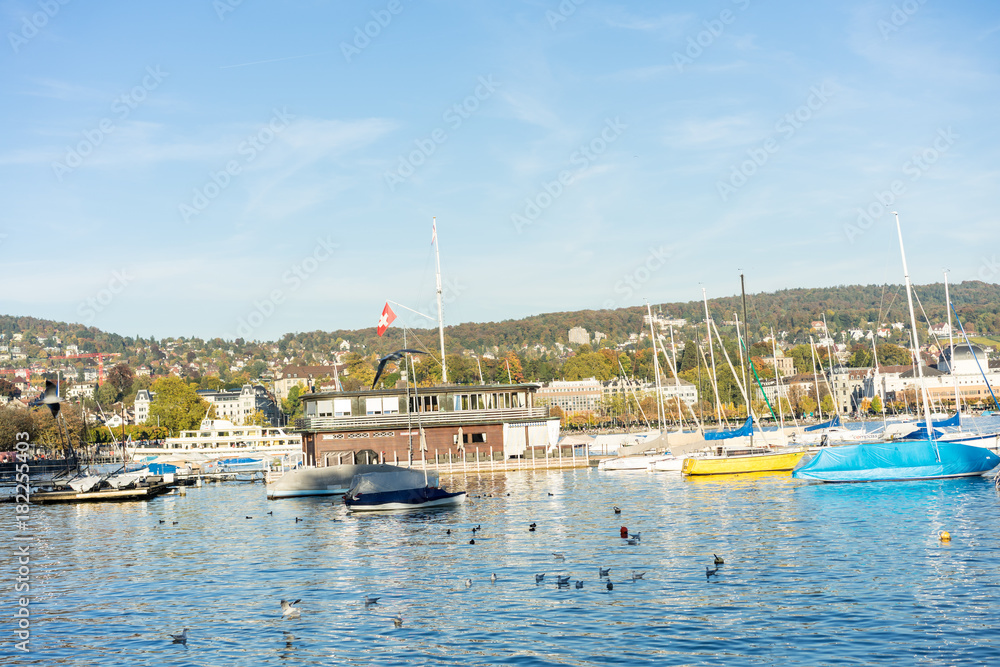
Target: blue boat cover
{"x": 896, "y": 461}
{"x": 833, "y": 422}
{"x": 735, "y": 433}
{"x": 921, "y": 433}
{"x": 950, "y": 421}
{"x": 161, "y": 468}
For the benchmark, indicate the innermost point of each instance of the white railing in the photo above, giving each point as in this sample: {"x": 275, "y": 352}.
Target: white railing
{"x": 402, "y": 420}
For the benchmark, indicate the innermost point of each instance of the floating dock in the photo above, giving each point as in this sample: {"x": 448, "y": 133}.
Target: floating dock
{"x": 140, "y": 493}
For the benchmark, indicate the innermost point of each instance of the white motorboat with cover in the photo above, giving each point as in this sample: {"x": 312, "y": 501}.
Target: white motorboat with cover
{"x": 397, "y": 490}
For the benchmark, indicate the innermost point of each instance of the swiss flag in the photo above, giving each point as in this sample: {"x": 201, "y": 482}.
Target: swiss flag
{"x": 387, "y": 318}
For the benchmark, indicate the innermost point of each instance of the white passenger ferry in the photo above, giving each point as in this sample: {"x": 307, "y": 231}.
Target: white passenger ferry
{"x": 222, "y": 438}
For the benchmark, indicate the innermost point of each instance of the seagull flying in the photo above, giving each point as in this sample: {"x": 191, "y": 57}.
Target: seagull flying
{"x": 50, "y": 398}
{"x": 288, "y": 611}
{"x": 181, "y": 637}
{"x": 392, "y": 356}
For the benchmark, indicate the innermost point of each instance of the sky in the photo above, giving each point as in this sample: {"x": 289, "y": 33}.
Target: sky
{"x": 248, "y": 169}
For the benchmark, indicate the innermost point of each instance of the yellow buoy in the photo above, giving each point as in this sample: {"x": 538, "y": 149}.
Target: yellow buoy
{"x": 945, "y": 536}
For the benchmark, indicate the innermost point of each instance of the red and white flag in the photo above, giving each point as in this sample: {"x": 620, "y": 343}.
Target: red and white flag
{"x": 387, "y": 318}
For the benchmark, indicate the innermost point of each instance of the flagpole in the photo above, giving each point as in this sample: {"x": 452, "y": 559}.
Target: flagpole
{"x": 437, "y": 261}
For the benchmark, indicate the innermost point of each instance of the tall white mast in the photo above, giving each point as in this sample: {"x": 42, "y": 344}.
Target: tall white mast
{"x": 951, "y": 348}
{"x": 916, "y": 342}
{"x": 437, "y": 261}
{"x": 711, "y": 349}
{"x": 656, "y": 371}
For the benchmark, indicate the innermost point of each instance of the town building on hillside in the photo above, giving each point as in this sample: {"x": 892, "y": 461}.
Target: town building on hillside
{"x": 303, "y": 376}
{"x": 143, "y": 398}
{"x": 572, "y": 396}
{"x": 239, "y": 405}
{"x": 81, "y": 390}
{"x": 786, "y": 365}
{"x": 579, "y": 336}
{"x": 670, "y": 390}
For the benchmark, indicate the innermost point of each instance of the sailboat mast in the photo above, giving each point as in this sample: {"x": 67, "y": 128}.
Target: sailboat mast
{"x": 777, "y": 382}
{"x": 916, "y": 342}
{"x": 437, "y": 262}
{"x": 812, "y": 352}
{"x": 711, "y": 350}
{"x": 746, "y": 329}
{"x": 951, "y": 350}
{"x": 656, "y": 368}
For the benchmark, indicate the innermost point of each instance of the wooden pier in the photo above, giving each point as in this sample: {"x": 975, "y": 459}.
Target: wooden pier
{"x": 140, "y": 493}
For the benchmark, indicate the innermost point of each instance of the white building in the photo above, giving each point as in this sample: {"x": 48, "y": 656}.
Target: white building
{"x": 572, "y": 396}
{"x": 239, "y": 405}
{"x": 143, "y": 398}
{"x": 579, "y": 336}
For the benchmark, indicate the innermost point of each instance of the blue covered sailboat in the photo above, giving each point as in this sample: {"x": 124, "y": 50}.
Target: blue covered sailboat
{"x": 925, "y": 458}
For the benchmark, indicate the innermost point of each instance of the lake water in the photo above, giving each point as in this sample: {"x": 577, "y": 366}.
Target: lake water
{"x": 813, "y": 574}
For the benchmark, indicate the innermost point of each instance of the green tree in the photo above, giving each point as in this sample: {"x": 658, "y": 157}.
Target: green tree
{"x": 292, "y": 405}
{"x": 827, "y": 404}
{"x": 258, "y": 418}
{"x": 893, "y": 355}
{"x": 176, "y": 405}
{"x": 876, "y": 406}
{"x": 588, "y": 364}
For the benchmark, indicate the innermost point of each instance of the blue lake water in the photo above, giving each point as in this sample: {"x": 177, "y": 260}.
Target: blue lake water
{"x": 813, "y": 574}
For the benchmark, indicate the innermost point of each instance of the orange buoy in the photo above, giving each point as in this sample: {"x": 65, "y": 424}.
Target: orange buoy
{"x": 624, "y": 532}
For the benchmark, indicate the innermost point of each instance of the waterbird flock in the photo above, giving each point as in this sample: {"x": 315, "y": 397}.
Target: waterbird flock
{"x": 290, "y": 611}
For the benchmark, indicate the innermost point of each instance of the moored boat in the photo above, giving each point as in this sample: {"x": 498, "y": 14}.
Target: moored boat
{"x": 734, "y": 464}
{"x": 403, "y": 489}
{"x": 897, "y": 461}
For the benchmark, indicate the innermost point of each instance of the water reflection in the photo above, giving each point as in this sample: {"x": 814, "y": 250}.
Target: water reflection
{"x": 812, "y": 574}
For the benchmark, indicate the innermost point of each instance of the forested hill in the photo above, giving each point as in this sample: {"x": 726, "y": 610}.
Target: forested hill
{"x": 791, "y": 311}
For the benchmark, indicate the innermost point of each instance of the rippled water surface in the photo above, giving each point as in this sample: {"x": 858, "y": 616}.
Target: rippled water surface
{"x": 813, "y": 574}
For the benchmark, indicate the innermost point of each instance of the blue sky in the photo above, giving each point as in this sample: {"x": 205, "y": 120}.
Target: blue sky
{"x": 254, "y": 168}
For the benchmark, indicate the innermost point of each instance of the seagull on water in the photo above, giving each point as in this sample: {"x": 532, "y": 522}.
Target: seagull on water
{"x": 603, "y": 571}
{"x": 539, "y": 578}
{"x": 636, "y": 576}
{"x": 493, "y": 578}
{"x": 709, "y": 573}
{"x": 369, "y": 600}
{"x": 610, "y": 586}
{"x": 561, "y": 580}
{"x": 288, "y": 611}
{"x": 632, "y": 541}
{"x": 618, "y": 510}
{"x": 398, "y": 621}
{"x": 579, "y": 584}
{"x": 559, "y": 555}
{"x": 392, "y": 356}
{"x": 468, "y": 583}
{"x": 181, "y": 637}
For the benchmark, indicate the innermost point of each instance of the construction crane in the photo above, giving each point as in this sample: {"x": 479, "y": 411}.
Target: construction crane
{"x": 100, "y": 361}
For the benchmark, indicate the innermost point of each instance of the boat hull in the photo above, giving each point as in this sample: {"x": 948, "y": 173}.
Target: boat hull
{"x": 408, "y": 499}
{"x": 897, "y": 462}
{"x": 735, "y": 465}
{"x": 633, "y": 462}
{"x": 327, "y": 481}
